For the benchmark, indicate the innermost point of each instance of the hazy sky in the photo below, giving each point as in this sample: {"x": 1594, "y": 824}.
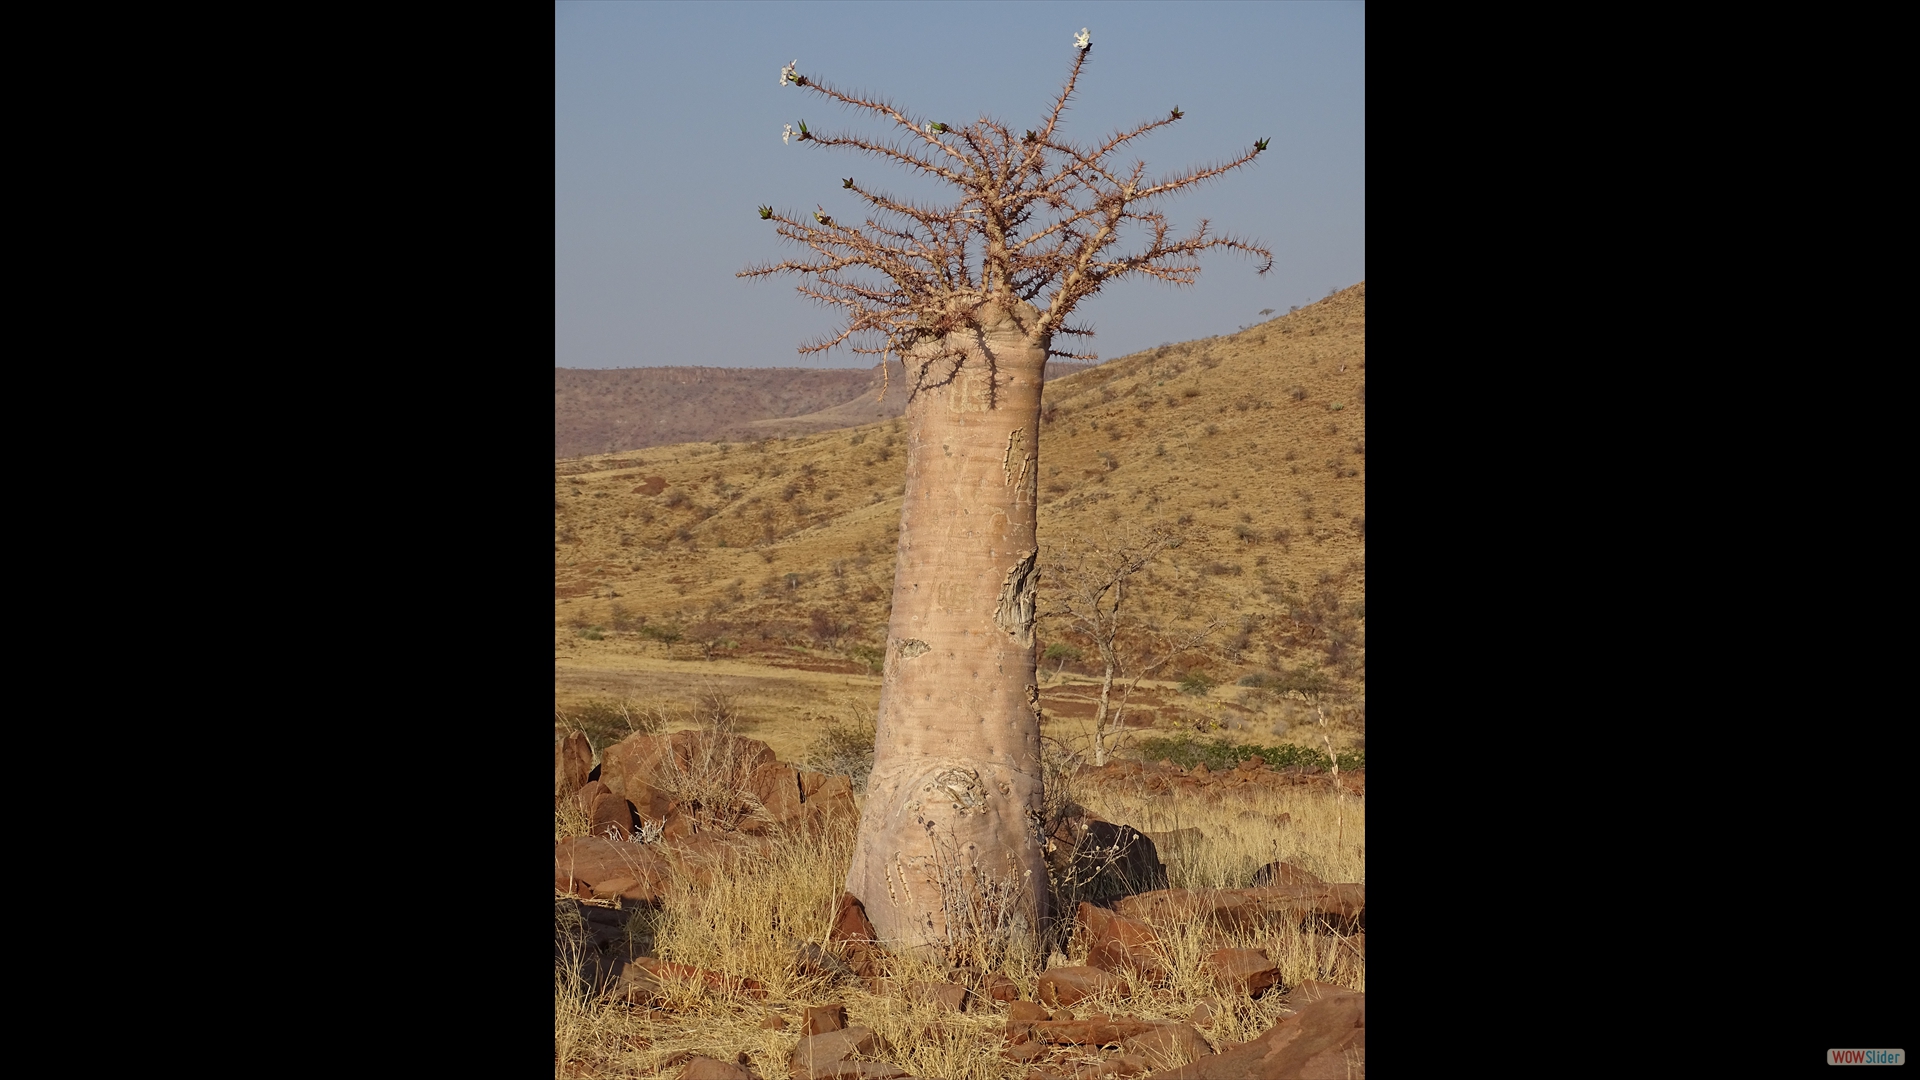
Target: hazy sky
{"x": 667, "y": 122}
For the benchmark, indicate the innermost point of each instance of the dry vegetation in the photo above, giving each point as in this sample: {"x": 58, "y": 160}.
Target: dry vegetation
{"x": 745, "y": 924}
{"x": 755, "y": 580}
{"x": 772, "y": 561}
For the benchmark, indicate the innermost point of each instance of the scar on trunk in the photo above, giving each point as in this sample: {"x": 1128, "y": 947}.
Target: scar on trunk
{"x": 908, "y": 648}
{"x": 1015, "y": 614}
{"x": 962, "y": 787}
{"x": 1017, "y": 440}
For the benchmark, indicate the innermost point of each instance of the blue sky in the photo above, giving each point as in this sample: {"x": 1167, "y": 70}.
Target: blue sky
{"x": 667, "y": 121}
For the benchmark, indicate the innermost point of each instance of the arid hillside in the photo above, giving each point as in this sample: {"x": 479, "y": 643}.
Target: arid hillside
{"x": 619, "y": 409}
{"x": 779, "y": 552}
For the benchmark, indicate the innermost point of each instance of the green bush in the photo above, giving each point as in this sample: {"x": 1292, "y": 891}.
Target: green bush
{"x": 667, "y": 634}
{"x": 1222, "y": 753}
{"x": 1195, "y": 683}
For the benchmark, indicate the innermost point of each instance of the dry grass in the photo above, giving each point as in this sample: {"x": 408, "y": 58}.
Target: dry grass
{"x": 747, "y": 923}
{"x": 748, "y": 541}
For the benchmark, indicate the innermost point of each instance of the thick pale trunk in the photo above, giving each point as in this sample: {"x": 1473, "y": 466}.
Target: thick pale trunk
{"x": 950, "y": 839}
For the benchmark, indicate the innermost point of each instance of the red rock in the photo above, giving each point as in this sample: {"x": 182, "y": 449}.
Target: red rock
{"x": 1071, "y": 985}
{"x": 829, "y": 803}
{"x": 1027, "y": 1052}
{"x": 706, "y": 1068}
{"x": 850, "y": 920}
{"x": 583, "y": 798}
{"x": 816, "y": 1053}
{"x": 1168, "y": 1045}
{"x": 655, "y": 759}
{"x": 1001, "y": 988}
{"x": 572, "y": 762}
{"x": 1204, "y": 1013}
{"x": 1341, "y": 906}
{"x": 1326, "y": 1039}
{"x": 1247, "y": 971}
{"x": 946, "y": 996}
{"x": 773, "y": 1022}
{"x": 637, "y": 985}
{"x": 610, "y": 816}
{"x": 582, "y": 862}
{"x": 777, "y": 785}
{"x": 821, "y": 1019}
{"x": 1124, "y": 1065}
{"x": 1118, "y": 944}
{"x": 1201, "y": 770}
{"x": 1094, "y": 1031}
{"x": 1026, "y": 1012}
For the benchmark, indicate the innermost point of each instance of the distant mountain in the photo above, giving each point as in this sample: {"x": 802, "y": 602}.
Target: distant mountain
{"x": 610, "y": 411}
{"x": 1252, "y": 445}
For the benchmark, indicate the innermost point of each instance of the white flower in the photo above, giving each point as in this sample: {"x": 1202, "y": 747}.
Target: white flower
{"x": 788, "y": 135}
{"x": 1082, "y": 39}
{"x": 789, "y": 72}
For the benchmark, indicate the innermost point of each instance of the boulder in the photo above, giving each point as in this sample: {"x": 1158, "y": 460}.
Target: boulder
{"x": 1168, "y": 1045}
{"x": 821, "y": 1019}
{"x": 1243, "y": 971}
{"x": 945, "y": 996}
{"x": 659, "y": 761}
{"x": 1119, "y": 944}
{"x": 1325, "y": 1038}
{"x": 1001, "y": 988}
{"x": 1098, "y": 1030}
{"x": 850, "y": 920}
{"x": 827, "y": 801}
{"x": 1027, "y": 1052}
{"x": 609, "y": 815}
{"x": 581, "y": 862}
{"x": 777, "y": 785}
{"x": 1101, "y": 861}
{"x": 816, "y": 1054}
{"x": 572, "y": 763}
{"x": 1341, "y": 907}
{"x": 1026, "y": 1012}
{"x": 1071, "y": 985}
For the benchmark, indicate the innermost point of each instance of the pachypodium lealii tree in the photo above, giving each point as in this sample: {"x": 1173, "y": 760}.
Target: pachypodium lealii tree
{"x": 970, "y": 297}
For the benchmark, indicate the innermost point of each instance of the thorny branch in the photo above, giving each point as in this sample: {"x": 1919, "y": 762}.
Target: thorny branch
{"x": 1036, "y": 219}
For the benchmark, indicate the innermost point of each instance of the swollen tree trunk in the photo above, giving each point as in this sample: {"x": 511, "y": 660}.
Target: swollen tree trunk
{"x": 950, "y": 842}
